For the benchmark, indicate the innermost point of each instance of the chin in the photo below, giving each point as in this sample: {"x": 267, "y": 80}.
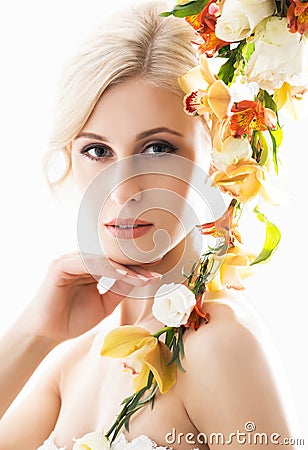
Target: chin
{"x": 121, "y": 258}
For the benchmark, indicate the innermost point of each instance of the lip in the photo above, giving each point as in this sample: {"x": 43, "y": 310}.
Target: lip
{"x": 128, "y": 233}
{"x": 127, "y": 221}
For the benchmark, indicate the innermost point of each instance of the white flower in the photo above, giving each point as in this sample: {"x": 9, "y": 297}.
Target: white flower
{"x": 279, "y": 55}
{"x": 243, "y": 91}
{"x": 92, "y": 441}
{"x": 173, "y": 304}
{"x": 49, "y": 444}
{"x": 239, "y": 18}
{"x": 139, "y": 443}
{"x": 233, "y": 149}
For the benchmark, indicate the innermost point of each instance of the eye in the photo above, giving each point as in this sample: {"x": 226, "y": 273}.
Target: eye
{"x": 95, "y": 151}
{"x": 159, "y": 148}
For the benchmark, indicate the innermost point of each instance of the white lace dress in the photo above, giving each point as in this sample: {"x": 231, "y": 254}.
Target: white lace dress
{"x": 120, "y": 443}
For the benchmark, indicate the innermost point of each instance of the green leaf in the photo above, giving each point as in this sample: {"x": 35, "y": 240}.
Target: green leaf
{"x": 267, "y": 100}
{"x": 187, "y": 9}
{"x": 276, "y": 138}
{"x": 181, "y": 345}
{"x": 260, "y": 147}
{"x": 236, "y": 62}
{"x": 272, "y": 238}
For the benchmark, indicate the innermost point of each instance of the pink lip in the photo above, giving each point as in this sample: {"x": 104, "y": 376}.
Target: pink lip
{"x": 127, "y": 221}
{"x": 128, "y": 233}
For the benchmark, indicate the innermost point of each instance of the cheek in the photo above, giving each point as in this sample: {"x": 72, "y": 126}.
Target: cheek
{"x": 83, "y": 171}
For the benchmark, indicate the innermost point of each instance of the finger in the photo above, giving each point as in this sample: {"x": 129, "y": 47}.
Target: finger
{"x": 107, "y": 263}
{"x": 146, "y": 272}
{"x": 73, "y": 265}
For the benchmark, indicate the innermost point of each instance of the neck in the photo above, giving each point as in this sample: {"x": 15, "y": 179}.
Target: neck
{"x": 137, "y": 307}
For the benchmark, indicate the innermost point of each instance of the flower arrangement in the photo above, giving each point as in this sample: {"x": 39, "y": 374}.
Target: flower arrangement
{"x": 261, "y": 44}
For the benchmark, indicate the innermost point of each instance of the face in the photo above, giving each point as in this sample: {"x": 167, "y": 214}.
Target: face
{"x": 135, "y": 130}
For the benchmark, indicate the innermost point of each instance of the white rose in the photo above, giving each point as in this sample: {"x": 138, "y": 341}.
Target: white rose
{"x": 49, "y": 444}
{"x": 279, "y": 55}
{"x": 243, "y": 91}
{"x": 233, "y": 149}
{"x": 173, "y": 304}
{"x": 92, "y": 441}
{"x": 139, "y": 443}
{"x": 239, "y": 17}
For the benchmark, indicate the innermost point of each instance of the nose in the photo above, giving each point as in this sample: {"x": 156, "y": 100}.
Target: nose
{"x": 127, "y": 191}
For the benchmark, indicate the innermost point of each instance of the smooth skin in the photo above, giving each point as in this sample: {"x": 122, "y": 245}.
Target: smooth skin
{"x": 228, "y": 380}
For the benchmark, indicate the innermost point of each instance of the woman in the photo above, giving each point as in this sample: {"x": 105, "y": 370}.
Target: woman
{"x": 121, "y": 108}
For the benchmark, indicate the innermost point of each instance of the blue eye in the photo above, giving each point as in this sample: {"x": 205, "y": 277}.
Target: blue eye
{"x": 98, "y": 151}
{"x": 160, "y": 148}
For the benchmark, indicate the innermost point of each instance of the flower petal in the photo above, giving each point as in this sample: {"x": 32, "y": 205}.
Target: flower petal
{"x": 219, "y": 99}
{"x": 206, "y": 71}
{"x": 192, "y": 81}
{"x": 157, "y": 360}
{"x": 124, "y": 340}
{"x": 140, "y": 380}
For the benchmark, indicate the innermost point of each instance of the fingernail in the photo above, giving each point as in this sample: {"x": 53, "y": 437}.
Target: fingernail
{"x": 122, "y": 272}
{"x": 104, "y": 284}
{"x": 156, "y": 274}
{"x": 142, "y": 277}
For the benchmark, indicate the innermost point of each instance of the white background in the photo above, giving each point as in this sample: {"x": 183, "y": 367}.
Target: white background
{"x": 37, "y": 37}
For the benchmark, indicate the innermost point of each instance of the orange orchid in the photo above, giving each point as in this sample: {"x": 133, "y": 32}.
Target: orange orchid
{"x": 204, "y": 92}
{"x": 147, "y": 353}
{"x": 235, "y": 266}
{"x": 243, "y": 180}
{"x": 204, "y": 23}
{"x": 251, "y": 115}
{"x": 297, "y": 17}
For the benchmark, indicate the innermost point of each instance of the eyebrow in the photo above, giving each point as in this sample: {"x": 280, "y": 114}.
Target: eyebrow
{"x": 139, "y": 136}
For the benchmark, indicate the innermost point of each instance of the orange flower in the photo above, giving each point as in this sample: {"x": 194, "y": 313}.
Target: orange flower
{"x": 235, "y": 267}
{"x": 204, "y": 23}
{"x": 297, "y": 16}
{"x": 251, "y": 115}
{"x": 213, "y": 97}
{"x": 226, "y": 223}
{"x": 243, "y": 180}
{"x": 197, "y": 314}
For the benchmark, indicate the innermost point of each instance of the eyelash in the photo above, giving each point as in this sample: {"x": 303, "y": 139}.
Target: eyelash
{"x": 85, "y": 150}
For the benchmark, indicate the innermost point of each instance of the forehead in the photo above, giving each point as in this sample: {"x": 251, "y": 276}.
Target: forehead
{"x": 134, "y": 106}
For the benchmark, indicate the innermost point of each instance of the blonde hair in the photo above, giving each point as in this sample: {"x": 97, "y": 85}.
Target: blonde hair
{"x": 135, "y": 42}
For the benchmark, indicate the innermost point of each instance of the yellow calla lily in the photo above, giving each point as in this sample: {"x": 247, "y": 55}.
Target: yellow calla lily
{"x": 142, "y": 352}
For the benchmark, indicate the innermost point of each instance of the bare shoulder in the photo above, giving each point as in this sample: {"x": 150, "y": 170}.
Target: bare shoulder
{"x": 229, "y": 373}
{"x": 233, "y": 326}
{"x": 234, "y": 341}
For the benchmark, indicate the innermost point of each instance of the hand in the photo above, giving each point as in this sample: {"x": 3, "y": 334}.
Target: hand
{"x": 68, "y": 304}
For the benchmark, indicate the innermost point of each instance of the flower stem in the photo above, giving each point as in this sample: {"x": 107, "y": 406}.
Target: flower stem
{"x": 162, "y": 331}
